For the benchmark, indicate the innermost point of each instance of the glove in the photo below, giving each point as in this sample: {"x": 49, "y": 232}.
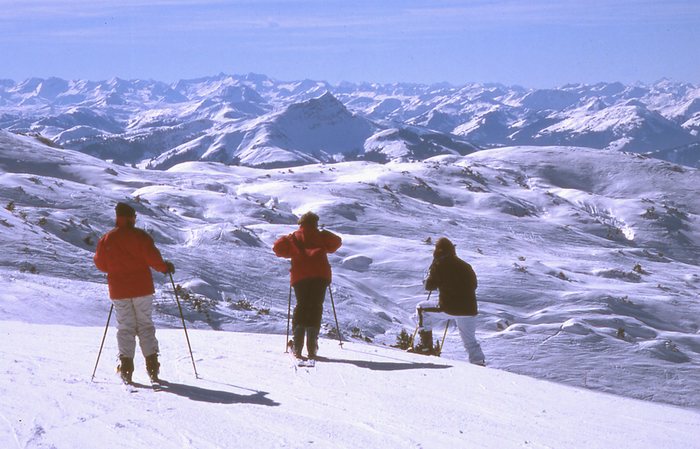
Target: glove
{"x": 170, "y": 267}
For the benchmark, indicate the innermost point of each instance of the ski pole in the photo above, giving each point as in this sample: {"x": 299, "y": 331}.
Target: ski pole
{"x": 337, "y": 326}
{"x": 109, "y": 316}
{"x": 289, "y": 312}
{"x": 184, "y": 326}
{"x": 442, "y": 343}
{"x": 420, "y": 320}
{"x": 413, "y": 337}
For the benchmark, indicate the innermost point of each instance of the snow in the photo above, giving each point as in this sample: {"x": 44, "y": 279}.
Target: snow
{"x": 588, "y": 272}
{"x": 250, "y": 395}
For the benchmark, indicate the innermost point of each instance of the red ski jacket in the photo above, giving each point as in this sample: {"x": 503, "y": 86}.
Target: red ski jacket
{"x": 308, "y": 248}
{"x": 126, "y": 254}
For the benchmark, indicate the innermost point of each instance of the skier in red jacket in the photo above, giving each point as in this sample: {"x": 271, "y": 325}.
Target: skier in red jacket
{"x": 310, "y": 275}
{"x": 127, "y": 254}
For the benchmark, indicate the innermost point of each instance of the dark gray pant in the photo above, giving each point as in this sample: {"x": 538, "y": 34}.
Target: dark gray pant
{"x": 306, "y": 320}
{"x": 310, "y": 294}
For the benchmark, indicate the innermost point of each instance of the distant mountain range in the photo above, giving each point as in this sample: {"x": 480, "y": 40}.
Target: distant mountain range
{"x": 257, "y": 121}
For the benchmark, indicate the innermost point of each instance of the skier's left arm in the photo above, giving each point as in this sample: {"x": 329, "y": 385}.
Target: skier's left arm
{"x": 431, "y": 282}
{"x": 331, "y": 241}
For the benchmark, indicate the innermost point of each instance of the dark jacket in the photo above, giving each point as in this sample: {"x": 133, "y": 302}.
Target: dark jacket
{"x": 456, "y": 281}
{"x": 127, "y": 254}
{"x": 308, "y": 248}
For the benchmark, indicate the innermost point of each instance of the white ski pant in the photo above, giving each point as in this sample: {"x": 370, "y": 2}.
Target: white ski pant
{"x": 135, "y": 318}
{"x": 465, "y": 324}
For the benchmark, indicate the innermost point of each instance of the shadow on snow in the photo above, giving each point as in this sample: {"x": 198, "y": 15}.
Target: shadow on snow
{"x": 214, "y": 396}
{"x": 385, "y": 366}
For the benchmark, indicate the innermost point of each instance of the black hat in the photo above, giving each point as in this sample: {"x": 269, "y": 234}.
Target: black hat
{"x": 309, "y": 218}
{"x": 124, "y": 210}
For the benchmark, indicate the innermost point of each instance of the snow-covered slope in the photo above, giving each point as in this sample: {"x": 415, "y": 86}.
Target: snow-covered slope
{"x": 686, "y": 155}
{"x": 258, "y": 121}
{"x": 250, "y": 396}
{"x": 628, "y": 125}
{"x": 587, "y": 259}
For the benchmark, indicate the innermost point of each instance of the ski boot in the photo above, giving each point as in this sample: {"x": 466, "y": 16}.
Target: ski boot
{"x": 125, "y": 368}
{"x": 153, "y": 367}
{"x": 298, "y": 340}
{"x": 312, "y": 341}
{"x": 425, "y": 346}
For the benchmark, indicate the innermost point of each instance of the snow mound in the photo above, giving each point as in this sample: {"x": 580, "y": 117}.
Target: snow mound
{"x": 357, "y": 262}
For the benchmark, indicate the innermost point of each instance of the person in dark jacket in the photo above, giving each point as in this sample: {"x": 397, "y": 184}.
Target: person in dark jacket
{"x": 127, "y": 254}
{"x": 310, "y": 275}
{"x": 456, "y": 282}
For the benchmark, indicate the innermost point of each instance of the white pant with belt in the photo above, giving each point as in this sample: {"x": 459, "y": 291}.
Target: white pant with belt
{"x": 135, "y": 318}
{"x": 465, "y": 324}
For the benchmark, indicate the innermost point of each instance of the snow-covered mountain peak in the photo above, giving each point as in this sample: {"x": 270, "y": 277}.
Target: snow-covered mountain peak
{"x": 239, "y": 94}
{"x": 324, "y": 108}
{"x": 595, "y": 105}
{"x": 195, "y": 113}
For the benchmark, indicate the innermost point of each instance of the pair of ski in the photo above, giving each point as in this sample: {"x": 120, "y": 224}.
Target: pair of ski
{"x": 156, "y": 384}
{"x": 301, "y": 362}
{"x": 135, "y": 387}
{"x": 304, "y": 362}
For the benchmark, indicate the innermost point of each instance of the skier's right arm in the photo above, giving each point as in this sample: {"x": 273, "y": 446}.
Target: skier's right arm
{"x": 472, "y": 277}
{"x": 99, "y": 257}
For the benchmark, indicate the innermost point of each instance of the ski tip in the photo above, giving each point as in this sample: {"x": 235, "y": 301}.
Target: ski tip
{"x": 307, "y": 363}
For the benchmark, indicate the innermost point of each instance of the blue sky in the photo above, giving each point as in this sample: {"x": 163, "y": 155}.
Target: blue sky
{"x": 533, "y": 43}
